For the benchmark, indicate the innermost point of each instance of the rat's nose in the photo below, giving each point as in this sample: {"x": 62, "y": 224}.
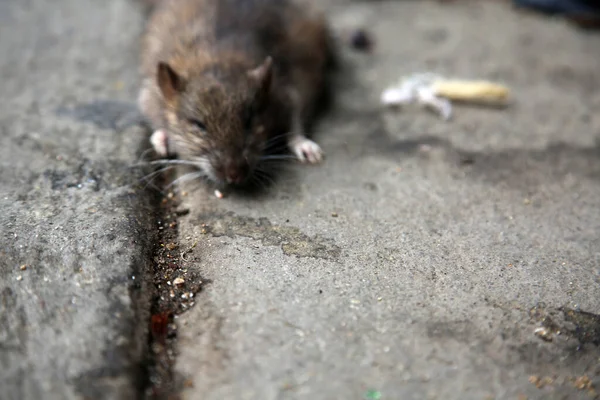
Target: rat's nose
{"x": 235, "y": 174}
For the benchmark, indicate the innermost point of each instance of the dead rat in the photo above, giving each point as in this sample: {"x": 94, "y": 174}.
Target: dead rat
{"x": 224, "y": 79}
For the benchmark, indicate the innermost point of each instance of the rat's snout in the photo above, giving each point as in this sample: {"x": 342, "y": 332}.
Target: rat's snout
{"x": 236, "y": 173}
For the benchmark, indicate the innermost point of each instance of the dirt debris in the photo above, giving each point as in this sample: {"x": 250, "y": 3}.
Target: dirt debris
{"x": 543, "y": 333}
{"x": 175, "y": 288}
{"x": 178, "y": 281}
{"x": 541, "y": 382}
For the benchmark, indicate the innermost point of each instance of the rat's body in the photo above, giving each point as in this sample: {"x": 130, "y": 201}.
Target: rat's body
{"x": 224, "y": 78}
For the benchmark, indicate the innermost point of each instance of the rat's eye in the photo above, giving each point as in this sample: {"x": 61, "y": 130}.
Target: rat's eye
{"x": 197, "y": 124}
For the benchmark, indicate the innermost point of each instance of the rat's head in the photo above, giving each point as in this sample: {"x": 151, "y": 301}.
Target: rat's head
{"x": 214, "y": 118}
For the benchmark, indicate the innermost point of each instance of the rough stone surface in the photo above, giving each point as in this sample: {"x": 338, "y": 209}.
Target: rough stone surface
{"x": 74, "y": 233}
{"x": 453, "y": 241}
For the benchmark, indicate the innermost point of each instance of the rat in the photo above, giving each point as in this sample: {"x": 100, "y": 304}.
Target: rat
{"x": 224, "y": 79}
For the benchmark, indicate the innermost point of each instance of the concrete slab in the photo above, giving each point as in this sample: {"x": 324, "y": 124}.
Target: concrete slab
{"x": 420, "y": 259}
{"x": 75, "y": 237}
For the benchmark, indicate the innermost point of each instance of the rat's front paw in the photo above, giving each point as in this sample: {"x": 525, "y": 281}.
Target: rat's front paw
{"x": 160, "y": 142}
{"x": 306, "y": 150}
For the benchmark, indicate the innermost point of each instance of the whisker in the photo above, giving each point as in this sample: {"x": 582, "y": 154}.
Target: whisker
{"x": 277, "y": 157}
{"x": 197, "y": 185}
{"x": 274, "y": 166}
{"x": 148, "y": 178}
{"x": 264, "y": 177}
{"x": 150, "y": 175}
{"x": 153, "y": 186}
{"x": 256, "y": 181}
{"x": 276, "y": 147}
{"x": 279, "y": 178}
{"x": 145, "y": 153}
{"x": 277, "y": 137}
{"x": 166, "y": 162}
{"x": 149, "y": 184}
{"x": 187, "y": 177}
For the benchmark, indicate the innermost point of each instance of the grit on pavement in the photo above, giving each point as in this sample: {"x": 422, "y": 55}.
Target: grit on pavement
{"x": 424, "y": 259}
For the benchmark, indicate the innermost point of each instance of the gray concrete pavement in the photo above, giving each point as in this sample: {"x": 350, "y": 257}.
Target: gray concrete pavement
{"x": 73, "y": 232}
{"x": 419, "y": 260}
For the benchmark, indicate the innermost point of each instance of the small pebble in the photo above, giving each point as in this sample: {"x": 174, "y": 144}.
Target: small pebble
{"x": 334, "y": 214}
{"x": 23, "y": 267}
{"x": 541, "y": 382}
{"x": 583, "y": 382}
{"x": 178, "y": 281}
{"x": 218, "y": 194}
{"x": 544, "y": 334}
{"x": 19, "y": 277}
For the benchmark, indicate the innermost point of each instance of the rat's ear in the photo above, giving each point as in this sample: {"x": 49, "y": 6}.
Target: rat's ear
{"x": 169, "y": 82}
{"x": 263, "y": 73}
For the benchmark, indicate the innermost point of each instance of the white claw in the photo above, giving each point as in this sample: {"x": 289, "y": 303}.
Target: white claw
{"x": 306, "y": 150}
{"x": 160, "y": 142}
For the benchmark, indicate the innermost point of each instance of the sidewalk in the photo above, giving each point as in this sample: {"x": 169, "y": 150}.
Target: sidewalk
{"x": 74, "y": 235}
{"x": 419, "y": 260}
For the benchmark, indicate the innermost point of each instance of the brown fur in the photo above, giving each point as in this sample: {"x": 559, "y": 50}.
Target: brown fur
{"x": 214, "y": 71}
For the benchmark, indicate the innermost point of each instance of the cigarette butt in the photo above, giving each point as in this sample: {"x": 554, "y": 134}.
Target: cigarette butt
{"x": 471, "y": 91}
